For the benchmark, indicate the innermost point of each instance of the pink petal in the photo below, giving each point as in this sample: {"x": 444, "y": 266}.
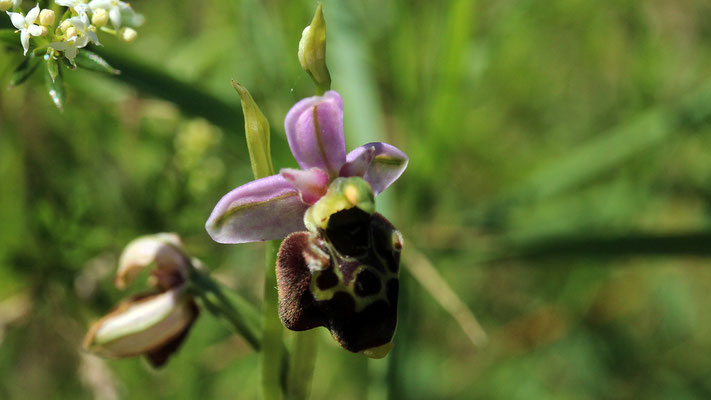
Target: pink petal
{"x": 314, "y": 129}
{"x": 311, "y": 184}
{"x": 265, "y": 209}
{"x": 387, "y": 165}
{"x": 358, "y": 161}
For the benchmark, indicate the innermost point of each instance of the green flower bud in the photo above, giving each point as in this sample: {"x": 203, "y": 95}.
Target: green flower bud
{"x": 256, "y": 130}
{"x": 312, "y": 51}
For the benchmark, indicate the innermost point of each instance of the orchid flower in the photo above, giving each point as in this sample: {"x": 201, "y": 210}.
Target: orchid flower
{"x": 154, "y": 323}
{"x": 273, "y": 207}
{"x": 26, "y": 25}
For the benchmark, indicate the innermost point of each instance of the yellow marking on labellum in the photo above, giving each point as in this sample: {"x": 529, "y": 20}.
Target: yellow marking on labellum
{"x": 378, "y": 351}
{"x": 351, "y": 193}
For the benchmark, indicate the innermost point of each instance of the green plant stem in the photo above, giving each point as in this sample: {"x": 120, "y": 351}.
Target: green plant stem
{"x": 237, "y": 312}
{"x": 301, "y": 368}
{"x": 272, "y": 351}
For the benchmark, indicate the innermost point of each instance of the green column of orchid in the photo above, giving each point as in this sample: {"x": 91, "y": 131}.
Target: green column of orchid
{"x": 256, "y": 129}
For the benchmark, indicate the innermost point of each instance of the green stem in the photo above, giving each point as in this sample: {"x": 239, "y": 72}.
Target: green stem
{"x": 272, "y": 351}
{"x": 301, "y": 368}
{"x": 237, "y": 312}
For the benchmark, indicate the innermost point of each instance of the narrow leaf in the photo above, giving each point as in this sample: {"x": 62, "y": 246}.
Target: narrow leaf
{"x": 52, "y": 67}
{"x": 55, "y": 88}
{"x": 23, "y": 71}
{"x": 92, "y": 61}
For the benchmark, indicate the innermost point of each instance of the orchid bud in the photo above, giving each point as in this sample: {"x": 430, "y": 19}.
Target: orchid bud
{"x": 163, "y": 249}
{"x": 5, "y": 5}
{"x": 46, "y": 17}
{"x": 343, "y": 194}
{"x": 256, "y": 130}
{"x": 312, "y": 51}
{"x": 153, "y": 325}
{"x": 100, "y": 17}
{"x": 127, "y": 35}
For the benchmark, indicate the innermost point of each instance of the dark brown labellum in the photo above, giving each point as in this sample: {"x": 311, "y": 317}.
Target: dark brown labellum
{"x": 352, "y": 292}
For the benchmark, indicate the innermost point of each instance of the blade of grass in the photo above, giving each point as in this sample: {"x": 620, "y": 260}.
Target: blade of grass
{"x": 425, "y": 273}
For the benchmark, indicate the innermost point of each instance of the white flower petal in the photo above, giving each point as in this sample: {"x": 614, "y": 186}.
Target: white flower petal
{"x": 164, "y": 249}
{"x": 105, "y": 4}
{"x": 34, "y": 30}
{"x": 25, "y": 40}
{"x": 32, "y": 15}
{"x": 93, "y": 38}
{"x": 59, "y": 46}
{"x": 78, "y": 23}
{"x": 17, "y": 19}
{"x": 115, "y": 16}
{"x": 82, "y": 41}
{"x": 140, "y": 326}
{"x": 70, "y": 53}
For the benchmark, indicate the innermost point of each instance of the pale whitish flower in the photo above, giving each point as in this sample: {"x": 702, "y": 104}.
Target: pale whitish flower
{"x": 26, "y": 26}
{"x": 8, "y": 4}
{"x": 79, "y": 37}
{"x": 127, "y": 35}
{"x": 46, "y": 17}
{"x": 119, "y": 12}
{"x": 79, "y": 6}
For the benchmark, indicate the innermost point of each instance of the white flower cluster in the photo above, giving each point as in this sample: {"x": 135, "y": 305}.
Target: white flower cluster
{"x": 78, "y": 28}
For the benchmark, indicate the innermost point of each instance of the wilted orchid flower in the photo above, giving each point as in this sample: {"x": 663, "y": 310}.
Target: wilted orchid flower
{"x": 25, "y": 24}
{"x": 151, "y": 324}
{"x": 273, "y": 207}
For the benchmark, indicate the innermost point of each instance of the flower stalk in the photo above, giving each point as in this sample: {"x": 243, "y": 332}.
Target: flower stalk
{"x": 256, "y": 129}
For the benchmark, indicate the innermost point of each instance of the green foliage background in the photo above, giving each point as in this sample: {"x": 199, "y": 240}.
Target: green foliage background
{"x": 559, "y": 180}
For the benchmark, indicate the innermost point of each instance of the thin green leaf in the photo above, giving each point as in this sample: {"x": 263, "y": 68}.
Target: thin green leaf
{"x": 52, "y": 68}
{"x": 23, "y": 71}
{"x": 55, "y": 88}
{"x": 92, "y": 61}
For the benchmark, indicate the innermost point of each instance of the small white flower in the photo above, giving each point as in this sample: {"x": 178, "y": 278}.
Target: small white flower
{"x": 80, "y": 36}
{"x": 26, "y": 26}
{"x": 119, "y": 12}
{"x": 79, "y": 6}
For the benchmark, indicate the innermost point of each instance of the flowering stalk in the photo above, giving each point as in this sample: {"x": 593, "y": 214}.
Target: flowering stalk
{"x": 257, "y": 135}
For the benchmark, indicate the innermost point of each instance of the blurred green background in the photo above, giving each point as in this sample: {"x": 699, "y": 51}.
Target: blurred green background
{"x": 559, "y": 181}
